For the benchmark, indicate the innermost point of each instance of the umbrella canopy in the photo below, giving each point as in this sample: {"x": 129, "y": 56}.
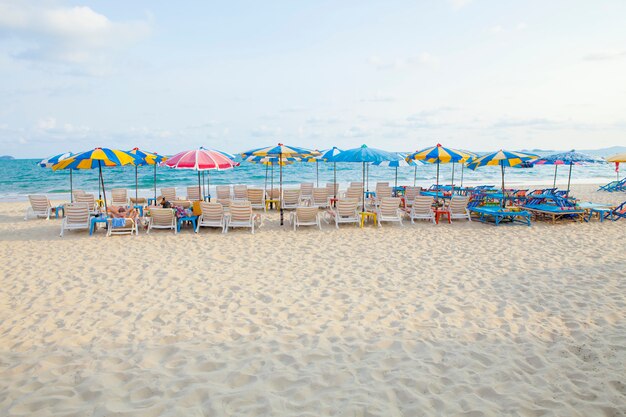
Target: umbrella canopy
{"x": 53, "y": 160}
{"x": 270, "y": 161}
{"x": 327, "y": 156}
{"x": 503, "y": 159}
{"x": 208, "y": 173}
{"x": 395, "y": 164}
{"x": 145, "y": 158}
{"x": 617, "y": 158}
{"x": 281, "y": 151}
{"x": 97, "y": 158}
{"x": 365, "y": 155}
{"x": 200, "y": 160}
{"x": 566, "y": 158}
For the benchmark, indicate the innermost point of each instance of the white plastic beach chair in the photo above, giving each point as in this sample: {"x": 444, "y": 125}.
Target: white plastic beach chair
{"x": 354, "y": 193}
{"x": 306, "y": 191}
{"x": 291, "y": 199}
{"x": 212, "y": 216}
{"x": 119, "y": 197}
{"x": 90, "y": 200}
{"x": 256, "y": 197}
{"x": 76, "y": 217}
{"x": 306, "y": 216}
{"x": 162, "y": 218}
{"x": 193, "y": 193}
{"x": 389, "y": 211}
{"x": 241, "y": 215}
{"x": 169, "y": 193}
{"x": 130, "y": 226}
{"x": 223, "y": 192}
{"x": 345, "y": 211}
{"x": 410, "y": 193}
{"x": 333, "y": 189}
{"x": 320, "y": 198}
{"x": 422, "y": 209}
{"x": 240, "y": 192}
{"x": 39, "y": 207}
{"x": 458, "y": 208}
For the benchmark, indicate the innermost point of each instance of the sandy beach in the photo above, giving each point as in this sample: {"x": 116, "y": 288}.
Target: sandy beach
{"x": 464, "y": 319}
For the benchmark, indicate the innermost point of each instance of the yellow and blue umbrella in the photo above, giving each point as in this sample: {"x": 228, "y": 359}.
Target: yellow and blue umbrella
{"x": 269, "y": 162}
{"x": 281, "y": 151}
{"x": 53, "y": 160}
{"x": 146, "y": 158}
{"x": 96, "y": 158}
{"x": 503, "y": 159}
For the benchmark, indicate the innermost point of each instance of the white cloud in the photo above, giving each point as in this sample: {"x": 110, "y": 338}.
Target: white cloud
{"x": 605, "y": 55}
{"x": 76, "y": 38}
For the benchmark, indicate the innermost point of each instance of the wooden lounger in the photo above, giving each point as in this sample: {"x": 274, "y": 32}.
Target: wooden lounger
{"x": 576, "y": 215}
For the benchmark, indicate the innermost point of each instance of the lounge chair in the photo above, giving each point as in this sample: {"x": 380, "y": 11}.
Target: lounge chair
{"x": 422, "y": 209}
{"x": 212, "y": 216}
{"x": 256, "y": 197}
{"x": 382, "y": 191}
{"x": 555, "y": 212}
{"x": 90, "y": 200}
{"x": 291, "y": 199}
{"x": 39, "y": 207}
{"x": 617, "y": 213}
{"x": 119, "y": 197}
{"x": 458, "y": 208}
{"x": 619, "y": 185}
{"x": 241, "y": 215}
{"x": 193, "y": 193}
{"x": 128, "y": 227}
{"x": 320, "y": 198}
{"x": 499, "y": 214}
{"x": 240, "y": 192}
{"x": 345, "y": 211}
{"x": 354, "y": 193}
{"x": 409, "y": 195}
{"x": 169, "y": 193}
{"x": 77, "y": 193}
{"x": 162, "y": 218}
{"x": 356, "y": 184}
{"x": 333, "y": 189}
{"x": 305, "y": 216}
{"x": 306, "y": 191}
{"x": 76, "y": 217}
{"x": 389, "y": 211}
{"x": 223, "y": 192}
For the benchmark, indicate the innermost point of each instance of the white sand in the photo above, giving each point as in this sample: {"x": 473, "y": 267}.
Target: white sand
{"x": 462, "y": 319}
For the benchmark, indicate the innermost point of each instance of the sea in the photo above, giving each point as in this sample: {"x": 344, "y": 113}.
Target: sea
{"x": 21, "y": 177}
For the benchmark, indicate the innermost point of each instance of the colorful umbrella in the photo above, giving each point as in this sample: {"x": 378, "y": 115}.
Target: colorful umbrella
{"x": 269, "y": 162}
{"x": 439, "y": 155}
{"x": 208, "y": 173}
{"x": 617, "y": 158}
{"x": 364, "y": 155}
{"x": 503, "y": 159}
{"x": 200, "y": 160}
{"x": 53, "y": 160}
{"x": 566, "y": 158}
{"x": 281, "y": 151}
{"x": 395, "y": 164}
{"x": 146, "y": 158}
{"x": 97, "y": 157}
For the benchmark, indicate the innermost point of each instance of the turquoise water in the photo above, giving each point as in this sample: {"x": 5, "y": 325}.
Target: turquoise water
{"x": 21, "y": 177}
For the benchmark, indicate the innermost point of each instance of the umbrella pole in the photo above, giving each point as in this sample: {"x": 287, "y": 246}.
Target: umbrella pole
{"x": 415, "y": 177}
{"x": 437, "y": 186}
{"x": 71, "y": 187}
{"x": 280, "y": 168}
{"x": 569, "y": 179}
{"x": 363, "y": 189}
{"x": 208, "y": 184}
{"x": 199, "y": 189}
{"x": 136, "y": 185}
{"x": 272, "y": 182}
{"x": 265, "y": 185}
{"x": 367, "y": 177}
{"x": 503, "y": 195}
{"x": 317, "y": 173}
{"x": 396, "y": 186}
{"x": 462, "y": 170}
{"x": 155, "y": 182}
{"x": 452, "y": 178}
{"x": 554, "y": 183}
{"x": 103, "y": 190}
{"x": 203, "y": 188}
{"x": 99, "y": 186}
{"x": 335, "y": 183}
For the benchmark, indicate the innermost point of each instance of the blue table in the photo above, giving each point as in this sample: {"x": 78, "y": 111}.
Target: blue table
{"x": 603, "y": 210}
{"x": 140, "y": 208}
{"x": 191, "y": 219}
{"x": 498, "y": 214}
{"x": 152, "y": 201}
{"x": 57, "y": 209}
{"x": 369, "y": 194}
{"x": 435, "y": 194}
{"x": 94, "y": 220}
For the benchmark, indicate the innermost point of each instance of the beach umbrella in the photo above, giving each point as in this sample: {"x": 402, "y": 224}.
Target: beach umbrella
{"x": 208, "y": 173}
{"x": 503, "y": 159}
{"x": 439, "y": 155}
{"x": 327, "y": 156}
{"x": 53, "y": 160}
{"x": 200, "y": 160}
{"x": 395, "y": 164}
{"x": 463, "y": 162}
{"x": 146, "y": 158}
{"x": 281, "y": 151}
{"x": 566, "y": 158}
{"x": 365, "y": 155}
{"x": 269, "y": 162}
{"x": 97, "y": 158}
{"x": 617, "y": 158}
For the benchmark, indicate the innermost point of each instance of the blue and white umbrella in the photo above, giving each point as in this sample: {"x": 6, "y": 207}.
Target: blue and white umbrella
{"x": 566, "y": 158}
{"x": 53, "y": 160}
{"x": 399, "y": 163}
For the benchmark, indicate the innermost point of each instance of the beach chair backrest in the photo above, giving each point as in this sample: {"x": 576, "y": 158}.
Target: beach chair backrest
{"x": 411, "y": 192}
{"x": 291, "y": 196}
{"x": 77, "y": 193}
{"x": 193, "y": 193}
{"x": 354, "y": 193}
{"x": 381, "y": 184}
{"x": 306, "y": 189}
{"x": 169, "y": 193}
{"x": 255, "y": 195}
{"x": 89, "y": 199}
{"x": 39, "y": 203}
{"x": 240, "y": 211}
{"x": 333, "y": 188}
{"x": 212, "y": 211}
{"x": 76, "y": 213}
{"x": 119, "y": 196}
{"x": 274, "y": 193}
{"x": 458, "y": 204}
{"x": 223, "y": 192}
{"x": 240, "y": 192}
{"x": 162, "y": 216}
{"x": 182, "y": 203}
{"x": 356, "y": 184}
{"x": 306, "y": 214}
{"x": 320, "y": 195}
{"x": 383, "y": 192}
{"x": 423, "y": 204}
{"x": 389, "y": 206}
{"x": 347, "y": 208}
{"x": 225, "y": 202}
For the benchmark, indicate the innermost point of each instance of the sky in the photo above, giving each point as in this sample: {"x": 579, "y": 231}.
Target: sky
{"x": 397, "y": 75}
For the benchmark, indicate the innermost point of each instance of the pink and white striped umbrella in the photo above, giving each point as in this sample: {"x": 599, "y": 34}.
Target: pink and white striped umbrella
{"x": 200, "y": 160}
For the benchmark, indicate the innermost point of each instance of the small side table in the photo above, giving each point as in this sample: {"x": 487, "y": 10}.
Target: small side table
{"x": 369, "y": 194}
{"x": 366, "y": 214}
{"x": 207, "y": 198}
{"x": 152, "y": 201}
{"x": 140, "y": 208}
{"x": 268, "y": 203}
{"x": 191, "y": 219}
{"x": 442, "y": 212}
{"x": 57, "y": 209}
{"x": 602, "y": 213}
{"x": 94, "y": 220}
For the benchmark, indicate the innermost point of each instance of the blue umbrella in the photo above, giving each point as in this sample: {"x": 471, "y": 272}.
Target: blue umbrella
{"x": 363, "y": 155}
{"x": 566, "y": 158}
{"x": 53, "y": 160}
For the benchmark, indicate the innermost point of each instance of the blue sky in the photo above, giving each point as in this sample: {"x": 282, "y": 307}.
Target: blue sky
{"x": 398, "y": 75}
